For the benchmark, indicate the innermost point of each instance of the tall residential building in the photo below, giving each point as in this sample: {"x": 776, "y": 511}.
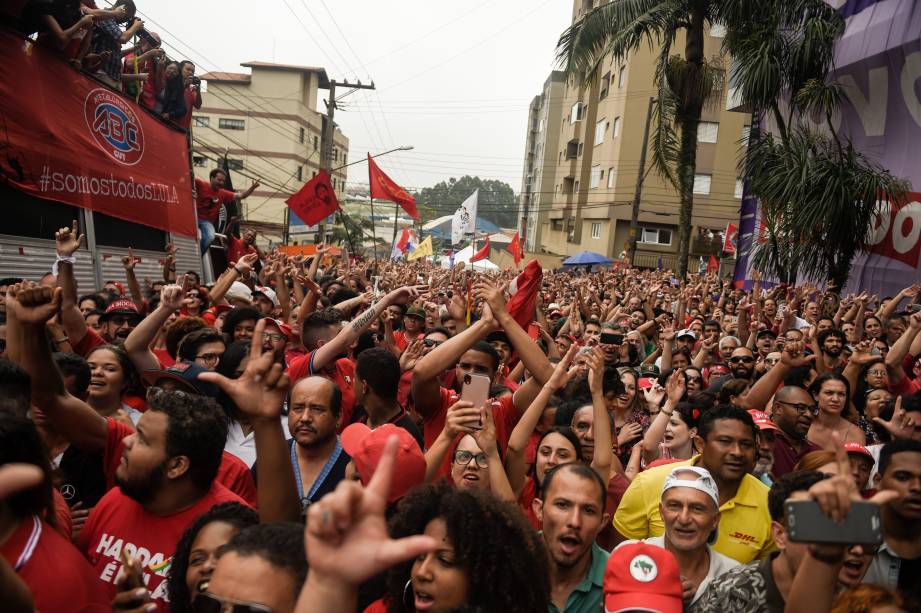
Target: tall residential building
{"x": 542, "y": 142}
{"x": 269, "y": 124}
{"x": 596, "y": 165}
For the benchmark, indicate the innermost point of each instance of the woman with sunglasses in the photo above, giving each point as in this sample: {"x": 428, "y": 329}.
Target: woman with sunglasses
{"x": 196, "y": 552}
{"x": 195, "y": 302}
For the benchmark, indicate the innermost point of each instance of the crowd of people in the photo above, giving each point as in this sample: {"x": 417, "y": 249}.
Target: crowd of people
{"x": 113, "y": 46}
{"x": 327, "y": 433}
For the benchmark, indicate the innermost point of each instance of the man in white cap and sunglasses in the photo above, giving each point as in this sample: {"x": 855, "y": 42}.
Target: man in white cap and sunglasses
{"x": 690, "y": 510}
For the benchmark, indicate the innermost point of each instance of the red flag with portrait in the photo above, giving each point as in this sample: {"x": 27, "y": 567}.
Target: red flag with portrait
{"x": 315, "y": 201}
{"x": 383, "y": 187}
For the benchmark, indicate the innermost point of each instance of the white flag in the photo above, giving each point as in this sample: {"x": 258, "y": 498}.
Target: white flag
{"x": 464, "y": 221}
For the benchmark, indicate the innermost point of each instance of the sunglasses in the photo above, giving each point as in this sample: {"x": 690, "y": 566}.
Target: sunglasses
{"x": 209, "y": 603}
{"x": 739, "y": 359}
{"x": 430, "y": 342}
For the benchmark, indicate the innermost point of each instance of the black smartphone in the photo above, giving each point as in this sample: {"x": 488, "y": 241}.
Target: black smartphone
{"x": 806, "y": 523}
{"x": 610, "y": 338}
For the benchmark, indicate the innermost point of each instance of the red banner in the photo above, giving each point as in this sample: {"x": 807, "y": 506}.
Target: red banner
{"x": 315, "y": 201}
{"x": 66, "y": 137}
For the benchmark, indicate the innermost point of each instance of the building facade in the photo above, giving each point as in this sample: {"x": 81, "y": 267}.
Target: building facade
{"x": 270, "y": 127}
{"x": 596, "y": 165}
{"x": 541, "y": 144}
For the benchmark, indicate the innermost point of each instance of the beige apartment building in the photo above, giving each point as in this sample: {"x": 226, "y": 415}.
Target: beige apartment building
{"x": 596, "y": 165}
{"x": 537, "y": 184}
{"x": 270, "y": 124}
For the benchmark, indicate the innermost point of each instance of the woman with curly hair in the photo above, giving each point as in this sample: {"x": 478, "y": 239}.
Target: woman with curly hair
{"x": 113, "y": 381}
{"x": 869, "y": 598}
{"x": 196, "y": 551}
{"x": 487, "y": 558}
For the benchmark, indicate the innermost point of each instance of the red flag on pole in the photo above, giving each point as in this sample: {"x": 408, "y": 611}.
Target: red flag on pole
{"x": 384, "y": 188}
{"x": 515, "y": 248}
{"x": 732, "y": 238}
{"x": 482, "y": 254}
{"x": 713, "y": 265}
{"x": 523, "y": 293}
{"x": 315, "y": 201}
{"x": 404, "y": 240}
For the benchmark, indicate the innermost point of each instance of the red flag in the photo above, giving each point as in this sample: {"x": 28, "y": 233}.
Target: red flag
{"x": 404, "y": 240}
{"x": 515, "y": 248}
{"x": 523, "y": 290}
{"x": 482, "y": 254}
{"x": 713, "y": 265}
{"x": 384, "y": 188}
{"x": 315, "y": 201}
{"x": 732, "y": 238}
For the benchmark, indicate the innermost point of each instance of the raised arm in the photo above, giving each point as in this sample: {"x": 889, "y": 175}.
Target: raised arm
{"x": 604, "y": 445}
{"x": 248, "y": 191}
{"x": 66, "y": 242}
{"x": 134, "y": 288}
{"x": 900, "y": 349}
{"x": 138, "y": 343}
{"x": 674, "y": 387}
{"x": 760, "y": 394}
{"x": 71, "y": 417}
{"x": 260, "y": 393}
{"x": 238, "y": 271}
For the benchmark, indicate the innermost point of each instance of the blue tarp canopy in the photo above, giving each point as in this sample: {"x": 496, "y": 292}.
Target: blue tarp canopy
{"x": 587, "y": 258}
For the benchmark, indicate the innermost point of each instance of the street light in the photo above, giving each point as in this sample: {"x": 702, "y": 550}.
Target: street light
{"x": 376, "y": 155}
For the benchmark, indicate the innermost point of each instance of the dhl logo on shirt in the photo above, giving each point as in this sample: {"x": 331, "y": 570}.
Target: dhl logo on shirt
{"x": 744, "y": 538}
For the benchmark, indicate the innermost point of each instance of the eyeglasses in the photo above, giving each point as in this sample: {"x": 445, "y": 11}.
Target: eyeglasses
{"x": 739, "y": 359}
{"x": 692, "y": 379}
{"x": 463, "y": 458}
{"x": 877, "y": 373}
{"x": 193, "y": 295}
{"x": 273, "y": 336}
{"x": 209, "y": 603}
{"x": 430, "y": 342}
{"x": 120, "y": 320}
{"x": 209, "y": 358}
{"x": 801, "y": 408}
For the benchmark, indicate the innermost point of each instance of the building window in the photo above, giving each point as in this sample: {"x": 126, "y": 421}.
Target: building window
{"x": 600, "y": 127}
{"x": 596, "y": 177}
{"x": 707, "y": 131}
{"x": 300, "y": 173}
{"x": 740, "y": 187}
{"x": 702, "y": 184}
{"x": 316, "y": 143}
{"x": 616, "y": 131}
{"x": 656, "y": 236}
{"x": 572, "y": 149}
{"x": 556, "y": 224}
{"x": 621, "y": 77}
{"x": 605, "y": 86}
{"x": 231, "y": 124}
{"x": 200, "y": 122}
{"x": 199, "y": 160}
{"x": 571, "y": 227}
{"x": 234, "y": 164}
{"x": 611, "y": 177}
{"x": 301, "y": 135}
{"x": 576, "y": 112}
{"x": 580, "y": 148}
{"x": 596, "y": 229}
{"x": 576, "y": 187}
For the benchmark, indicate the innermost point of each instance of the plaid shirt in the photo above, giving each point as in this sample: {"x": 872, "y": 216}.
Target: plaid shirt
{"x": 107, "y": 37}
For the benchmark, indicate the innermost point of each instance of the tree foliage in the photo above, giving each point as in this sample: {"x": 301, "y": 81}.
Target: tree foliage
{"x": 497, "y": 200}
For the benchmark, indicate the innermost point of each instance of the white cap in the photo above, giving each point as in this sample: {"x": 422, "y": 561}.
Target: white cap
{"x": 239, "y": 291}
{"x": 704, "y": 482}
{"x": 686, "y": 332}
{"x": 268, "y": 292}
{"x": 553, "y": 306}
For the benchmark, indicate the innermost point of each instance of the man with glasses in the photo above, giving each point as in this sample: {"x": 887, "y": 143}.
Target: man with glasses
{"x": 793, "y": 411}
{"x": 741, "y": 366}
{"x": 204, "y": 347}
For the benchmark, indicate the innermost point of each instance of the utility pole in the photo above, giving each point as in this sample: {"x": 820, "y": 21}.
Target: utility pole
{"x": 635, "y": 213}
{"x": 329, "y": 131}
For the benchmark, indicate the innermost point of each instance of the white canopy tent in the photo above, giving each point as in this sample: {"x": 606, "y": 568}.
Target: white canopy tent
{"x": 464, "y": 256}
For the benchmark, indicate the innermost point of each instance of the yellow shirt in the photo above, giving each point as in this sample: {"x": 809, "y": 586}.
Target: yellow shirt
{"x": 745, "y": 522}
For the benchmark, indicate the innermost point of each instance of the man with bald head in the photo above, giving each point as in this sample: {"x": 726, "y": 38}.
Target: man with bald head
{"x": 793, "y": 411}
{"x": 317, "y": 457}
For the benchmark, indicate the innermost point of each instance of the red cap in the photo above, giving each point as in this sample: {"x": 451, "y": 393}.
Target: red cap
{"x": 762, "y": 420}
{"x": 642, "y": 577}
{"x": 122, "y": 306}
{"x": 282, "y": 326}
{"x": 859, "y": 449}
{"x": 366, "y": 446}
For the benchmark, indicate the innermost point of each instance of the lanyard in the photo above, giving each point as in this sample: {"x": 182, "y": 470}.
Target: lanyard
{"x": 333, "y": 458}
{"x": 31, "y": 544}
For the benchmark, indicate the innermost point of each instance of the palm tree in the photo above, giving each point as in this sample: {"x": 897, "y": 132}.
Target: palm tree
{"x": 684, "y": 83}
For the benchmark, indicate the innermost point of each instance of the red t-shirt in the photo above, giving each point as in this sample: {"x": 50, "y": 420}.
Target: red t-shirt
{"x": 90, "y": 341}
{"x": 504, "y": 412}
{"x": 59, "y": 578}
{"x": 342, "y": 373}
{"x": 526, "y": 500}
{"x": 233, "y": 473}
{"x": 209, "y": 201}
{"x": 236, "y": 249}
{"x": 117, "y": 522}
{"x": 163, "y": 356}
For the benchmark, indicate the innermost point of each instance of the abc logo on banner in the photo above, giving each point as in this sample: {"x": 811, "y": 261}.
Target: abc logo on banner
{"x": 115, "y": 126}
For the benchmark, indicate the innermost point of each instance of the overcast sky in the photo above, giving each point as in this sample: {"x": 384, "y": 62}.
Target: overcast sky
{"x": 454, "y": 79}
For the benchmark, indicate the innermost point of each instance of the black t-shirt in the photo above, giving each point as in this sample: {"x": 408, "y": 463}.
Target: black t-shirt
{"x": 909, "y": 573}
{"x": 82, "y": 477}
